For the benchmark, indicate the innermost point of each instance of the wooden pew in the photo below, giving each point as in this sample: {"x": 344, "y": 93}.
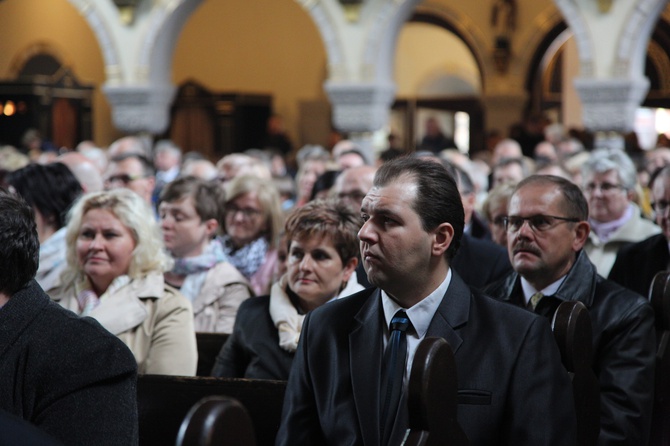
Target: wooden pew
{"x": 659, "y": 296}
{"x": 209, "y": 346}
{"x": 433, "y": 397}
{"x": 164, "y": 401}
{"x": 217, "y": 421}
{"x": 572, "y": 330}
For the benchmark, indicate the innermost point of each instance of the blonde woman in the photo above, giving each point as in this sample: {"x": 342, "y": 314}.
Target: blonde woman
{"x": 115, "y": 272}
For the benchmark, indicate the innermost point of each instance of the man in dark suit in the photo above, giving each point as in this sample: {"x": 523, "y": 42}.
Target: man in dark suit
{"x": 637, "y": 264}
{"x": 64, "y": 374}
{"x": 546, "y": 230}
{"x": 508, "y": 364}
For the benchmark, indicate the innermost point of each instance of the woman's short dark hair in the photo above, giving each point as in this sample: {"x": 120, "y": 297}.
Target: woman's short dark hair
{"x": 326, "y": 218}
{"x": 437, "y": 198}
{"x": 50, "y": 188}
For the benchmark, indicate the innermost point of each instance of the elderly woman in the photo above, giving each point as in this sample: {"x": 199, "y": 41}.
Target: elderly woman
{"x": 115, "y": 272}
{"x": 190, "y": 211}
{"x": 322, "y": 255}
{"x": 253, "y": 221}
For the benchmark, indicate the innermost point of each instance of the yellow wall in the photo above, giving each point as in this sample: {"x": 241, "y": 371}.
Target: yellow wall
{"x": 56, "y": 23}
{"x": 255, "y": 46}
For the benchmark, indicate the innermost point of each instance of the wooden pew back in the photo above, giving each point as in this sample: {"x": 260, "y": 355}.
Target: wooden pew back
{"x": 659, "y": 296}
{"x": 573, "y": 333}
{"x": 164, "y": 401}
{"x": 433, "y": 397}
{"x": 217, "y": 421}
{"x": 209, "y": 346}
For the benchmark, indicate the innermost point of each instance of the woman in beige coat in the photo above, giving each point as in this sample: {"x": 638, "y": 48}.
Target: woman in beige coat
{"x": 115, "y": 272}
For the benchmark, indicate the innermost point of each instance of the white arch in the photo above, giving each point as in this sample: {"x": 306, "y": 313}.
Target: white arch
{"x": 632, "y": 44}
{"x": 110, "y": 52}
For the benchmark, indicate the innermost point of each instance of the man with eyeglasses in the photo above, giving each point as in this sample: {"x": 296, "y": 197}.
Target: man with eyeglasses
{"x": 609, "y": 181}
{"x": 637, "y": 264}
{"x": 131, "y": 171}
{"x": 547, "y": 228}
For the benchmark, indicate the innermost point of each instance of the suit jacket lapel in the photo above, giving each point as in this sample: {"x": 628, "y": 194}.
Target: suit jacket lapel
{"x": 453, "y": 312}
{"x": 365, "y": 355}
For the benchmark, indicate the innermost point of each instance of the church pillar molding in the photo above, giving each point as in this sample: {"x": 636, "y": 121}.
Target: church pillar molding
{"x": 137, "y": 53}
{"x": 360, "y": 107}
{"x": 140, "y": 108}
{"x": 360, "y": 47}
{"x": 610, "y": 104}
{"x": 612, "y": 39}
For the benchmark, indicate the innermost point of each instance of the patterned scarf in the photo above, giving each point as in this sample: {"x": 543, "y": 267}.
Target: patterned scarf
{"x": 87, "y": 298}
{"x": 195, "y": 268}
{"x": 248, "y": 258}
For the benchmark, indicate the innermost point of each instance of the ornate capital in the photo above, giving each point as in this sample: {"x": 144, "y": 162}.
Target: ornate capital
{"x": 360, "y": 107}
{"x": 610, "y": 104}
{"x": 140, "y": 108}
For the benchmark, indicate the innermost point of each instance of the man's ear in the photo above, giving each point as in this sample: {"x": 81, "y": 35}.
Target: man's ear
{"x": 443, "y": 236}
{"x": 582, "y": 230}
{"x": 211, "y": 225}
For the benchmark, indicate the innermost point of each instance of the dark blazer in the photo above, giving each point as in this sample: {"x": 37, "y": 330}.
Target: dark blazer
{"x": 480, "y": 262}
{"x": 65, "y": 374}
{"x": 509, "y": 374}
{"x": 637, "y": 264}
{"x": 252, "y": 350}
{"x": 624, "y": 346}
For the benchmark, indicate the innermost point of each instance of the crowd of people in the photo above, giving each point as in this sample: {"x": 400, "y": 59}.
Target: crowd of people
{"x": 307, "y": 268}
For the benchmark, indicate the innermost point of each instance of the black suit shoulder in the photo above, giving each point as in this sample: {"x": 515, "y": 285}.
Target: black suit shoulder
{"x": 252, "y": 350}
{"x": 637, "y": 263}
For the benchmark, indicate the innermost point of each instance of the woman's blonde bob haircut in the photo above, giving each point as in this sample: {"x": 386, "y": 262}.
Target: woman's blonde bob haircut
{"x": 268, "y": 197}
{"x": 149, "y": 254}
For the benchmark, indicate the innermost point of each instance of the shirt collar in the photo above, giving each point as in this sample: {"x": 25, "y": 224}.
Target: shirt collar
{"x": 421, "y": 313}
{"x": 550, "y": 290}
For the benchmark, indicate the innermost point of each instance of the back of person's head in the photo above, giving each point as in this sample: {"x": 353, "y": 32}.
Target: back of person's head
{"x": 268, "y": 197}
{"x": 326, "y": 218}
{"x": 604, "y": 160}
{"x": 312, "y": 152}
{"x": 574, "y": 203}
{"x": 129, "y": 144}
{"x": 201, "y": 168}
{"x": 136, "y": 215}
{"x": 147, "y": 165}
{"x": 51, "y": 189}
{"x": 437, "y": 198}
{"x": 84, "y": 169}
{"x": 208, "y": 198}
{"x": 19, "y": 244}
{"x": 324, "y": 183}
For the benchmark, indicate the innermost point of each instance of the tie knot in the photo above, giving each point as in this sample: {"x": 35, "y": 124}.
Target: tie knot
{"x": 400, "y": 321}
{"x": 535, "y": 299}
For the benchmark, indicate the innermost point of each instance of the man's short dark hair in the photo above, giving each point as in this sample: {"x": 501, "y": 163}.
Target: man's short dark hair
{"x": 19, "y": 244}
{"x": 437, "y": 199}
{"x": 148, "y": 169}
{"x": 574, "y": 202}
{"x": 208, "y": 198}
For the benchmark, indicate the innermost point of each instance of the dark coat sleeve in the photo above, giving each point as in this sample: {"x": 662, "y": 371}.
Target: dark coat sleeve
{"x": 300, "y": 421}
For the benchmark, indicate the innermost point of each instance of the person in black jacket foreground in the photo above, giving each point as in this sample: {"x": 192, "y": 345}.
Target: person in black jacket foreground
{"x": 66, "y": 375}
